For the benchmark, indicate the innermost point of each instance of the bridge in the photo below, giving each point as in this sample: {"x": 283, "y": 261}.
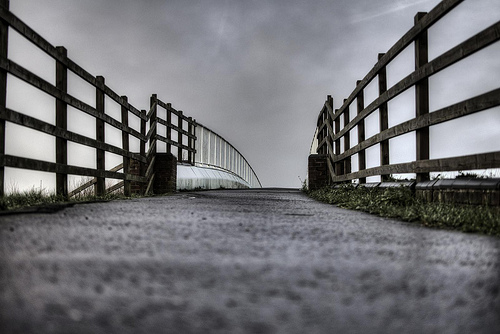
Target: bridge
{"x": 253, "y": 260}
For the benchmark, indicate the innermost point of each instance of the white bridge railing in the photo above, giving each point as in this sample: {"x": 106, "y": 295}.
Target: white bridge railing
{"x": 215, "y": 152}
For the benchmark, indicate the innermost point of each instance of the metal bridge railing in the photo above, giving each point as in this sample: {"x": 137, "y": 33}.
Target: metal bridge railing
{"x": 214, "y": 151}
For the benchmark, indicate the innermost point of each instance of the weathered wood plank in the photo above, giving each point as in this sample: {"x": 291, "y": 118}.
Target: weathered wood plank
{"x": 179, "y": 138}
{"x": 469, "y": 162}
{"x": 100, "y": 186}
{"x": 329, "y": 107}
{"x": 142, "y": 150}
{"x": 152, "y": 133}
{"x": 422, "y": 97}
{"x": 150, "y": 185}
{"x": 36, "y": 124}
{"x": 126, "y": 147}
{"x": 473, "y": 105}
{"x": 152, "y": 149}
{"x": 4, "y": 43}
{"x": 82, "y": 187}
{"x": 347, "y": 141}
{"x": 339, "y": 167}
{"x": 150, "y": 169}
{"x": 152, "y": 109}
{"x": 321, "y": 126}
{"x": 115, "y": 187}
{"x": 191, "y": 143}
{"x": 383, "y": 118}
{"x": 61, "y": 123}
{"x": 360, "y": 102}
{"x": 169, "y": 131}
{"x": 51, "y": 167}
{"x": 330, "y": 167}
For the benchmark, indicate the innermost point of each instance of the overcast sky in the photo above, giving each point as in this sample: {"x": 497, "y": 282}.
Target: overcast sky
{"x": 256, "y": 72}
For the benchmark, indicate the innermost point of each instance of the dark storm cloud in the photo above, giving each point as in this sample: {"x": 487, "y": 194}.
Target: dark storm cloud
{"x": 255, "y": 71}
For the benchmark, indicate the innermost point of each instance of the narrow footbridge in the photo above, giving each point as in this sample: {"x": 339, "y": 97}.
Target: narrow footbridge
{"x": 249, "y": 260}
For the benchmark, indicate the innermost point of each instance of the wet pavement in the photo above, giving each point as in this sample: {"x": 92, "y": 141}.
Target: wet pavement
{"x": 236, "y": 261}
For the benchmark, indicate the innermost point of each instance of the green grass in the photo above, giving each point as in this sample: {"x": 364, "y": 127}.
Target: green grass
{"x": 402, "y": 204}
{"x": 40, "y": 197}
{"x": 27, "y": 198}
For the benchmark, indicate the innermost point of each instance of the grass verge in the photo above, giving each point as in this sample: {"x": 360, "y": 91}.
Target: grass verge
{"x": 402, "y": 204}
{"x": 39, "y": 197}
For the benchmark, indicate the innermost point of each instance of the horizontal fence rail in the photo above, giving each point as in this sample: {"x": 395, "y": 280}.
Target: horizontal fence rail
{"x": 136, "y": 172}
{"x": 329, "y": 134}
{"x": 177, "y": 131}
{"x": 215, "y": 152}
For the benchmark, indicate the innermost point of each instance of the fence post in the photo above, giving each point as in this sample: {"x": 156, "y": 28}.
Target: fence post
{"x": 347, "y": 141}
{"x": 100, "y": 187}
{"x": 152, "y": 121}
{"x": 142, "y": 151}
{"x": 330, "y": 122}
{"x": 319, "y": 150}
{"x": 194, "y": 144}
{"x": 360, "y": 99}
{"x": 325, "y": 131}
{"x": 200, "y": 153}
{"x": 422, "y": 97}
{"x": 179, "y": 136}
{"x": 169, "y": 128}
{"x": 383, "y": 117}
{"x": 190, "y": 140}
{"x": 339, "y": 166}
{"x": 126, "y": 147}
{"x": 330, "y": 137}
{"x": 62, "y": 123}
{"x": 4, "y": 41}
{"x": 153, "y": 129}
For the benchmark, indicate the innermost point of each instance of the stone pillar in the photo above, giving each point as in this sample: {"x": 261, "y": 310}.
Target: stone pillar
{"x": 165, "y": 175}
{"x": 165, "y": 171}
{"x": 318, "y": 171}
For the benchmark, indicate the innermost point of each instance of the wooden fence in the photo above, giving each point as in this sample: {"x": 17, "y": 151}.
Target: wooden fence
{"x": 329, "y": 134}
{"x": 184, "y": 127}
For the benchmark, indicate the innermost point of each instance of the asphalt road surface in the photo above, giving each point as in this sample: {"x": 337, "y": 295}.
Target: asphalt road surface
{"x": 255, "y": 261}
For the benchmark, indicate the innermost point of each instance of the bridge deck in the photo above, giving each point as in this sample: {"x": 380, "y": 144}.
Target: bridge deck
{"x": 241, "y": 261}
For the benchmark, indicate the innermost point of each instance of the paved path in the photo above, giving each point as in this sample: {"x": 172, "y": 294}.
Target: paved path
{"x": 258, "y": 261}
